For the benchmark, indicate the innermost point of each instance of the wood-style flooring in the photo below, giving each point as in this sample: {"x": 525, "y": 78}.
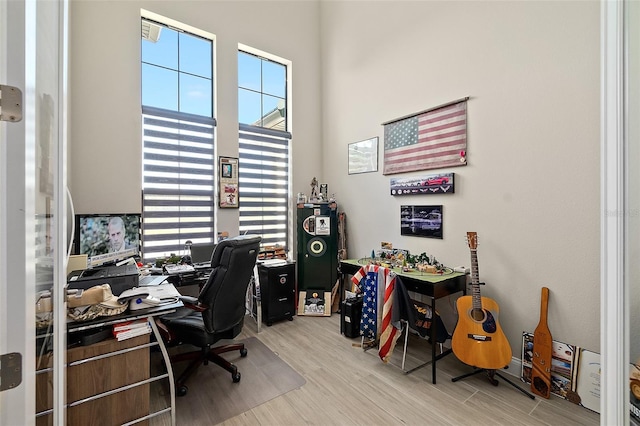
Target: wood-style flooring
{"x": 348, "y": 386}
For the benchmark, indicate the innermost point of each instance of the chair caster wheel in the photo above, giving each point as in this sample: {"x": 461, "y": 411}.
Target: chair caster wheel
{"x": 236, "y": 377}
{"x": 290, "y": 318}
{"x": 182, "y": 390}
{"x": 243, "y": 352}
{"x": 269, "y": 323}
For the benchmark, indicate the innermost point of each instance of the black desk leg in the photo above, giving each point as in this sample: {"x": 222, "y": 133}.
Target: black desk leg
{"x": 433, "y": 340}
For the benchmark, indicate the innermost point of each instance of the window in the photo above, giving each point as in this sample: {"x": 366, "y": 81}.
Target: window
{"x": 178, "y": 188}
{"x": 264, "y": 148}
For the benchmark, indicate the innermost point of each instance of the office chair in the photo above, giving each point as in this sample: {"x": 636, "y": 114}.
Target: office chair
{"x": 217, "y": 313}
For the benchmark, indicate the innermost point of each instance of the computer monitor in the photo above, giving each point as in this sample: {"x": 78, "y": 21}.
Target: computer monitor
{"x": 201, "y": 252}
{"x": 107, "y": 238}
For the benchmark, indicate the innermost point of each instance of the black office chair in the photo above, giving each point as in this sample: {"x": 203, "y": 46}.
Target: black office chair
{"x": 217, "y": 313}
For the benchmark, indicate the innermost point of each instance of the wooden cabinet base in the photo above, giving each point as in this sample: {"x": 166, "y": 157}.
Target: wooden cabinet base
{"x": 97, "y": 376}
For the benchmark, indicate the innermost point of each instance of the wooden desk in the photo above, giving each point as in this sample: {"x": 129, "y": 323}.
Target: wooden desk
{"x": 108, "y": 382}
{"x": 433, "y": 286}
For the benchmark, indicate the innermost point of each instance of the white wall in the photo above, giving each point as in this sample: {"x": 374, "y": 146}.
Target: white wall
{"x": 531, "y": 186}
{"x": 105, "y": 122}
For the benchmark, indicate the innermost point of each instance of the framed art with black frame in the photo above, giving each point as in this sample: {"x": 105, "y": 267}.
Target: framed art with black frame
{"x": 421, "y": 221}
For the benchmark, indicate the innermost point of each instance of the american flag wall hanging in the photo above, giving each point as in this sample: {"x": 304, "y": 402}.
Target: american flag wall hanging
{"x": 430, "y": 139}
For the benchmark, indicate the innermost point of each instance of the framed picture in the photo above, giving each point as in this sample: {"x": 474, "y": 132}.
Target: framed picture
{"x": 431, "y": 184}
{"x": 363, "y": 156}
{"x": 421, "y": 221}
{"x": 430, "y": 139}
{"x": 228, "y": 191}
{"x": 314, "y": 302}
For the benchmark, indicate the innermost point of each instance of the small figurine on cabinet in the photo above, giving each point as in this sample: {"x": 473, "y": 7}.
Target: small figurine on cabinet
{"x": 314, "y": 189}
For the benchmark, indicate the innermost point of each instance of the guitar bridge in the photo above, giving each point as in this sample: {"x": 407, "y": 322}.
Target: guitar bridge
{"x": 479, "y": 337}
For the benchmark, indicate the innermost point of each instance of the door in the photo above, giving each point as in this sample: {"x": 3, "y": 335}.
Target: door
{"x": 32, "y": 210}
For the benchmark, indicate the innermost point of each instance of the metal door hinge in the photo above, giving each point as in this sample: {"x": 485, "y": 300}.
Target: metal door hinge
{"x": 10, "y": 370}
{"x": 10, "y": 104}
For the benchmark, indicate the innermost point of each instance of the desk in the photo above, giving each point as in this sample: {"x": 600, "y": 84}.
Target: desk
{"x": 108, "y": 382}
{"x": 431, "y": 285}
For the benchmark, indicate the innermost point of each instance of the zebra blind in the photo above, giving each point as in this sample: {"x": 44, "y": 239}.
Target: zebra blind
{"x": 263, "y": 175}
{"x": 178, "y": 190}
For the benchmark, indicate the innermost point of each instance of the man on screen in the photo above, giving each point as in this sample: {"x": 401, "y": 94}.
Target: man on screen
{"x": 117, "y": 235}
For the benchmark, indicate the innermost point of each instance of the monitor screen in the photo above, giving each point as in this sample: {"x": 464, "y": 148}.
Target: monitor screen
{"x": 107, "y": 238}
{"x": 201, "y": 253}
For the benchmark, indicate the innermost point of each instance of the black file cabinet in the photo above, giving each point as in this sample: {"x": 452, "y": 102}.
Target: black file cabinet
{"x": 277, "y": 291}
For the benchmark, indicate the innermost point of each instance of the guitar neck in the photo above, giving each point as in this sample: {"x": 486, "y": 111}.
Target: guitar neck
{"x": 475, "y": 281}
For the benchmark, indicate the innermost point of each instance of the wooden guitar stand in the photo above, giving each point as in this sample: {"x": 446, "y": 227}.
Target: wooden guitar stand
{"x": 492, "y": 379}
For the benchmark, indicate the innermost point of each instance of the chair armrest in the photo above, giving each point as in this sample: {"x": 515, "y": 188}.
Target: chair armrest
{"x": 193, "y": 303}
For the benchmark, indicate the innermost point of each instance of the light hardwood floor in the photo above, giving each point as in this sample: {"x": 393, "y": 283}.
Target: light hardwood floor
{"x": 349, "y": 386}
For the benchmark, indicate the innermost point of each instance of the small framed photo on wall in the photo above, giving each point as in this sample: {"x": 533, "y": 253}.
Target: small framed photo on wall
{"x": 228, "y": 191}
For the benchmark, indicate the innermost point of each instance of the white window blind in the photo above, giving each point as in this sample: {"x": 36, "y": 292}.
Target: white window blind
{"x": 178, "y": 181}
{"x": 264, "y": 183}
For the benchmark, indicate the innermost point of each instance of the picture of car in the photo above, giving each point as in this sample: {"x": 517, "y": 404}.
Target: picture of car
{"x": 432, "y": 221}
{"x": 441, "y": 180}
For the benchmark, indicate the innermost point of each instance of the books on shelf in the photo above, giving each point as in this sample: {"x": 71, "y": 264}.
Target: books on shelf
{"x": 129, "y": 329}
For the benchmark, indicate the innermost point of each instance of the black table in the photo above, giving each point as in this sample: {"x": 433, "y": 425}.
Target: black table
{"x": 434, "y": 286}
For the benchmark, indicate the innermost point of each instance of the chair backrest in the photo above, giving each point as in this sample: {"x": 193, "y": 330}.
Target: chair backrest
{"x": 232, "y": 264}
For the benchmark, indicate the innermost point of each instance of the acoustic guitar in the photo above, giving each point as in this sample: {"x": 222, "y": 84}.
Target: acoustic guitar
{"x": 478, "y": 339}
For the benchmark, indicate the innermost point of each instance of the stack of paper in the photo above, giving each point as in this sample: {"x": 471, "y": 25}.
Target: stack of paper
{"x": 128, "y": 329}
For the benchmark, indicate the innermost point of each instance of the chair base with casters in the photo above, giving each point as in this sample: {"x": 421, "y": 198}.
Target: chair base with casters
{"x": 180, "y": 324}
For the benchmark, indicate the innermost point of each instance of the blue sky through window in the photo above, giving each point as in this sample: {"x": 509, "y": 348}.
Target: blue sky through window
{"x": 177, "y": 73}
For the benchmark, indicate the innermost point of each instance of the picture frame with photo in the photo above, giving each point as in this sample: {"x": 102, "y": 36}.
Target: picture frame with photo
{"x": 228, "y": 195}
{"x": 314, "y": 303}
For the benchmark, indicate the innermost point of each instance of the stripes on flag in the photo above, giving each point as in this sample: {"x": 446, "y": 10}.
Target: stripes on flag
{"x": 377, "y": 283}
{"x": 434, "y": 139}
{"x": 389, "y": 333}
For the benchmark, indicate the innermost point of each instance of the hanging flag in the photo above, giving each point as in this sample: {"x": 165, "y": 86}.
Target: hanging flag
{"x": 388, "y": 332}
{"x": 428, "y": 140}
{"x": 377, "y": 284}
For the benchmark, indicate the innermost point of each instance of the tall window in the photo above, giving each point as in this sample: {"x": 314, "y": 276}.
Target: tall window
{"x": 264, "y": 148}
{"x": 178, "y": 194}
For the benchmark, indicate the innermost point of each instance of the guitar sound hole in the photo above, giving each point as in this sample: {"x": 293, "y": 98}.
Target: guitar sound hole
{"x": 477, "y": 314}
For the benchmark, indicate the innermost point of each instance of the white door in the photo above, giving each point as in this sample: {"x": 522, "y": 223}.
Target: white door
{"x": 32, "y": 212}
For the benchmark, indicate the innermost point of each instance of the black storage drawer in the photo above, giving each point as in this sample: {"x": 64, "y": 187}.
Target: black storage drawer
{"x": 277, "y": 291}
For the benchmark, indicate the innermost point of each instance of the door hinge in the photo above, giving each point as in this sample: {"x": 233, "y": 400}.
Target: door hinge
{"x": 10, "y": 103}
{"x": 10, "y": 370}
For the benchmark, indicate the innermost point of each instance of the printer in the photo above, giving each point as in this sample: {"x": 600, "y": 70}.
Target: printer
{"x": 120, "y": 278}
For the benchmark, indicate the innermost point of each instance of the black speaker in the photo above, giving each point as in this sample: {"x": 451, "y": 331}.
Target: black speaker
{"x": 350, "y": 315}
{"x": 317, "y": 246}
{"x": 277, "y": 291}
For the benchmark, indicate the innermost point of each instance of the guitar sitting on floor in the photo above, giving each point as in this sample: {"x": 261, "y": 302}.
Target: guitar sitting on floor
{"x": 478, "y": 339}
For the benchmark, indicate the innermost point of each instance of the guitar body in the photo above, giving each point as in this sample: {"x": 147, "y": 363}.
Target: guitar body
{"x": 478, "y": 339}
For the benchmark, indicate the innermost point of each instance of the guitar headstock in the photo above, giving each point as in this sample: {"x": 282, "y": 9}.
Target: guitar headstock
{"x": 472, "y": 240}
